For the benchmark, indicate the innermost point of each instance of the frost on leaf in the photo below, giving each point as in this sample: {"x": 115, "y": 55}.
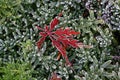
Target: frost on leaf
{"x": 60, "y": 38}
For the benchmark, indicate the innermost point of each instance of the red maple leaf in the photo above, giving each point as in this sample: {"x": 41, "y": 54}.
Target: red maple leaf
{"x": 61, "y": 38}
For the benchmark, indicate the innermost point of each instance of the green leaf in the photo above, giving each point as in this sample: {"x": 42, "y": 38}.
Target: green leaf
{"x": 106, "y": 64}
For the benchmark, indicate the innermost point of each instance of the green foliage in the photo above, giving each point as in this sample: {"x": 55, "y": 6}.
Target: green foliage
{"x": 18, "y": 37}
{"x": 16, "y": 71}
{"x": 8, "y": 8}
{"x": 26, "y": 46}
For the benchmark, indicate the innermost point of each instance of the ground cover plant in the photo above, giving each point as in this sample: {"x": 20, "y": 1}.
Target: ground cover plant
{"x": 59, "y": 40}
